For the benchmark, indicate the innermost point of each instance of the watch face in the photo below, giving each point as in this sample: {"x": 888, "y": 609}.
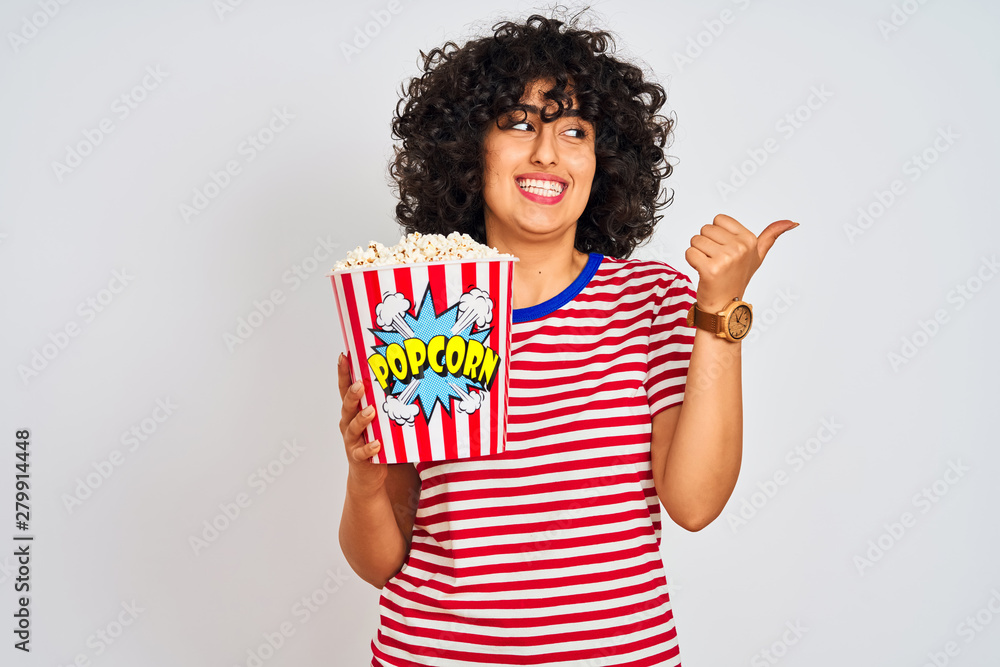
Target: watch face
{"x": 739, "y": 322}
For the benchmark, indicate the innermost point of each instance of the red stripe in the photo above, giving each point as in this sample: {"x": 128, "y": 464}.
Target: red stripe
{"x": 494, "y": 593}
{"x": 404, "y": 285}
{"x": 555, "y": 367}
{"x": 529, "y": 555}
{"x": 657, "y": 660}
{"x": 632, "y": 270}
{"x": 390, "y": 660}
{"x": 598, "y": 651}
{"x": 374, "y": 293}
{"x": 485, "y": 641}
{"x": 469, "y": 281}
{"x": 519, "y": 515}
{"x": 580, "y": 446}
{"x": 498, "y": 407}
{"x": 579, "y": 425}
{"x": 540, "y": 383}
{"x": 439, "y": 293}
{"x": 362, "y": 359}
{"x": 340, "y": 312}
{"x": 603, "y": 613}
{"x": 621, "y": 387}
{"x": 524, "y": 528}
{"x": 587, "y": 495}
{"x": 584, "y": 458}
{"x": 571, "y": 410}
{"x": 521, "y": 512}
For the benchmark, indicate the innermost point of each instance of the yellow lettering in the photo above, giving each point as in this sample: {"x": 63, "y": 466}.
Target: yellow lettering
{"x": 435, "y": 354}
{"x": 396, "y": 357}
{"x": 454, "y": 354}
{"x": 380, "y": 369}
{"x": 488, "y": 371}
{"x": 416, "y": 355}
{"x": 473, "y": 357}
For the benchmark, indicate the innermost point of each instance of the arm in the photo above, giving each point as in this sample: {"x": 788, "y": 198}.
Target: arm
{"x": 697, "y": 446}
{"x": 380, "y": 504}
{"x": 377, "y": 525}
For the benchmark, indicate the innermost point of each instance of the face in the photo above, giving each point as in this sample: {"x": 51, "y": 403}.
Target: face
{"x": 537, "y": 176}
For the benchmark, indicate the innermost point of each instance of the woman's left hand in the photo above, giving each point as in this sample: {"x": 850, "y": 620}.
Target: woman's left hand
{"x": 726, "y": 255}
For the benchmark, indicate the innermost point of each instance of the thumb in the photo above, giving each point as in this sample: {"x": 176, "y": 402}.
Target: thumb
{"x": 771, "y": 233}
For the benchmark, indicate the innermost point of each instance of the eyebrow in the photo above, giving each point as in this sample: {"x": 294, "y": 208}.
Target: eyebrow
{"x": 566, "y": 112}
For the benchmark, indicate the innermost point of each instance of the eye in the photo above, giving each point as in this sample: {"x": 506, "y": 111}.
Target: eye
{"x": 526, "y": 126}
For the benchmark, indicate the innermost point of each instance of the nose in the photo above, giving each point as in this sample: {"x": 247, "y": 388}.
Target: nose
{"x": 545, "y": 149}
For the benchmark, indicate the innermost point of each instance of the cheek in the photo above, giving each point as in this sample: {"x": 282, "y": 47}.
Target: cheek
{"x": 488, "y": 168}
{"x": 493, "y": 190}
{"x": 586, "y": 167}
{"x": 491, "y": 155}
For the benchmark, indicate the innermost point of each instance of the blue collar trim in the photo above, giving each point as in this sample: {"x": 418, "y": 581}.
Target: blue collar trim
{"x": 564, "y": 297}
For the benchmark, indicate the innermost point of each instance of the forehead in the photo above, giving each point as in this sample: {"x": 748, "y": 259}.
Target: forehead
{"x": 531, "y": 108}
{"x": 533, "y": 100}
{"x": 534, "y": 91}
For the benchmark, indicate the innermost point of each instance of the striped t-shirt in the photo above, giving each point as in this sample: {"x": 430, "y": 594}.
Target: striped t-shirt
{"x": 548, "y": 554}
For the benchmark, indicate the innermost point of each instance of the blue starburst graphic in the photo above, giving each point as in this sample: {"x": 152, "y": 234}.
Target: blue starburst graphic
{"x": 432, "y": 388}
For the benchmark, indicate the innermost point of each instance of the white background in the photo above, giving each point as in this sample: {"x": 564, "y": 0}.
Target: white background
{"x": 832, "y": 305}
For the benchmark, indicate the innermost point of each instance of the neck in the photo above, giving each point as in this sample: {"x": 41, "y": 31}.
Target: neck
{"x": 543, "y": 270}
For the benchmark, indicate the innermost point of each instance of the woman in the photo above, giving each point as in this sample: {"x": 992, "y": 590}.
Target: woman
{"x": 537, "y": 142}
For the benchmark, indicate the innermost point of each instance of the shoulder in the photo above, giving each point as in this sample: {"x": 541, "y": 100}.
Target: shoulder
{"x": 651, "y": 274}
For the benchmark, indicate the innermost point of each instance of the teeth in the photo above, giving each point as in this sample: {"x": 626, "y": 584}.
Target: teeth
{"x": 545, "y": 188}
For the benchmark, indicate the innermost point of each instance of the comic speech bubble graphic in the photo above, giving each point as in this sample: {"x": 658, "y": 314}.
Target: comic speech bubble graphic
{"x": 431, "y": 344}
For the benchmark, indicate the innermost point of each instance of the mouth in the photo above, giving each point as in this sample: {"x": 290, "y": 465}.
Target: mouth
{"x": 543, "y": 191}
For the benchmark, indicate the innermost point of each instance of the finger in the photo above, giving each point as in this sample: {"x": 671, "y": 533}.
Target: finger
{"x": 358, "y": 425}
{"x": 365, "y": 451}
{"x": 771, "y": 233}
{"x": 748, "y": 238}
{"x": 706, "y": 245}
{"x": 343, "y": 375}
{"x": 696, "y": 258}
{"x": 730, "y": 224}
{"x": 718, "y": 234}
{"x": 352, "y": 401}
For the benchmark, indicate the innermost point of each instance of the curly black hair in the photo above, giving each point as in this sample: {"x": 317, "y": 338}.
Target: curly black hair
{"x": 443, "y": 117}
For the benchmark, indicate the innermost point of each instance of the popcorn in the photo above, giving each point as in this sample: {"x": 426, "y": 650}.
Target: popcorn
{"x": 415, "y": 248}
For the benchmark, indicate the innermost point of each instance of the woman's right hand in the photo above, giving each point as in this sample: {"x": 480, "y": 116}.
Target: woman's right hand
{"x": 368, "y": 476}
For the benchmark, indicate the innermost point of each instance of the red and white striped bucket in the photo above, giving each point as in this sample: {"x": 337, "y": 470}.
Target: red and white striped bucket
{"x": 431, "y": 343}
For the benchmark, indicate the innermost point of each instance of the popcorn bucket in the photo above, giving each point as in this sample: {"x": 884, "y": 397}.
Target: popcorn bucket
{"x": 431, "y": 343}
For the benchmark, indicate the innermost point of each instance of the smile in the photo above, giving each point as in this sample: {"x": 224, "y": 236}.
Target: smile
{"x": 541, "y": 191}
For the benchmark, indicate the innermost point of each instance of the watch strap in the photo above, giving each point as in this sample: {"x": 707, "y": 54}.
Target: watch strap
{"x": 706, "y": 320}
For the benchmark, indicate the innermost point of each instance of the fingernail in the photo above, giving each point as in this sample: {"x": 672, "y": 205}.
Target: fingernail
{"x": 796, "y": 225}
{"x": 340, "y": 359}
{"x": 374, "y": 446}
{"x": 357, "y": 387}
{"x": 368, "y": 412}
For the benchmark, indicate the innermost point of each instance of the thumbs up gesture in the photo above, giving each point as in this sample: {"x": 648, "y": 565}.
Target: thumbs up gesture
{"x": 726, "y": 255}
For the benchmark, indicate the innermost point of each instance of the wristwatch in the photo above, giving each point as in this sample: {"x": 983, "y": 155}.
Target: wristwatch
{"x": 732, "y": 322}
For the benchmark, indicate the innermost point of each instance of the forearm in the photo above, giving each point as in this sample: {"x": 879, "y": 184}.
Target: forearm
{"x": 699, "y": 473}
{"x": 369, "y": 535}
